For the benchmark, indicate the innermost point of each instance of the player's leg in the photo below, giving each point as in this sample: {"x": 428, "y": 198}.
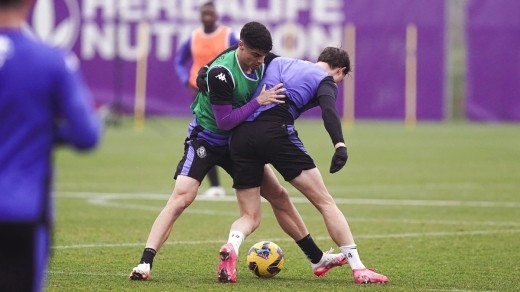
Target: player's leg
{"x": 17, "y": 263}
{"x": 250, "y": 214}
{"x": 292, "y": 223}
{"x": 310, "y": 183}
{"x": 249, "y": 203}
{"x": 248, "y": 197}
{"x": 293, "y": 162}
{"x": 182, "y": 196}
{"x": 284, "y": 210}
{"x": 253, "y": 144}
{"x": 190, "y": 172}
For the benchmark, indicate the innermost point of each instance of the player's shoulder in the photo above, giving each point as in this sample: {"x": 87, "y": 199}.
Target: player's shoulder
{"x": 221, "y": 74}
{"x": 50, "y": 55}
{"x": 289, "y": 60}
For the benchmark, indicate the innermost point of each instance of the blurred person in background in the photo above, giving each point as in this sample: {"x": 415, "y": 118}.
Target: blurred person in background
{"x": 204, "y": 44}
{"x": 232, "y": 78}
{"x": 43, "y": 104}
{"x": 268, "y": 136}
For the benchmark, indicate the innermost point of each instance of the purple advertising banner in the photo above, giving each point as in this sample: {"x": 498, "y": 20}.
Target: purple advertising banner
{"x": 493, "y": 60}
{"x": 380, "y": 73}
{"x": 104, "y": 36}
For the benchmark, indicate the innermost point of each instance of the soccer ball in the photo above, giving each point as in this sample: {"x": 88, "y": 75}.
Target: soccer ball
{"x": 265, "y": 259}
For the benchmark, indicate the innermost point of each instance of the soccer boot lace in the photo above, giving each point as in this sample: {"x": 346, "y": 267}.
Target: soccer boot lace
{"x": 227, "y": 271}
{"x": 141, "y": 272}
{"x": 368, "y": 276}
{"x": 328, "y": 261}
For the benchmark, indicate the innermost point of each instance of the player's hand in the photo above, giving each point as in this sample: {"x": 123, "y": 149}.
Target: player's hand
{"x": 274, "y": 94}
{"x": 201, "y": 79}
{"x": 339, "y": 159}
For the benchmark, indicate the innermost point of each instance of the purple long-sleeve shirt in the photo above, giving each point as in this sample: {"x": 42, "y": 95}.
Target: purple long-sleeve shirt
{"x": 43, "y": 102}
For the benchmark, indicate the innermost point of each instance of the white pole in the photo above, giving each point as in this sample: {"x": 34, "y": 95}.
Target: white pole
{"x": 143, "y": 47}
{"x": 349, "y": 83}
{"x": 411, "y": 76}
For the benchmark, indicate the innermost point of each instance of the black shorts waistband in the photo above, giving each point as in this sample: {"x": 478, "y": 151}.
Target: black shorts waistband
{"x": 279, "y": 113}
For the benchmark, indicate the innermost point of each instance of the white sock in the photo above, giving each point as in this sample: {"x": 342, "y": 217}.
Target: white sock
{"x": 350, "y": 251}
{"x": 236, "y": 238}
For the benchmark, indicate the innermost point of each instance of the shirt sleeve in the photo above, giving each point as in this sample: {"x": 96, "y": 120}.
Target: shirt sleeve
{"x": 326, "y": 95}
{"x": 78, "y": 123}
{"x": 183, "y": 60}
{"x": 227, "y": 118}
{"x": 221, "y": 89}
{"x": 220, "y": 85}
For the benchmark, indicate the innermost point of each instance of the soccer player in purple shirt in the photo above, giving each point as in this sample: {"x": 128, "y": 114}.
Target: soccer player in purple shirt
{"x": 269, "y": 136}
{"x": 43, "y": 103}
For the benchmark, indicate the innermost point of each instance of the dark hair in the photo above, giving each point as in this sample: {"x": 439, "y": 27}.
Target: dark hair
{"x": 256, "y": 36}
{"x": 10, "y": 3}
{"x": 209, "y": 3}
{"x": 335, "y": 58}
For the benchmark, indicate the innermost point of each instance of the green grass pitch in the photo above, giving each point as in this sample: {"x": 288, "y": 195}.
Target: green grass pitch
{"x": 435, "y": 208}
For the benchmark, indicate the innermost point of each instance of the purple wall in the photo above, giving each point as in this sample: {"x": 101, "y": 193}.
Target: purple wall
{"x": 493, "y": 60}
{"x": 103, "y": 35}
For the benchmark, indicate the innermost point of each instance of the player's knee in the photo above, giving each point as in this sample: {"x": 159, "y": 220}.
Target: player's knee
{"x": 325, "y": 204}
{"x": 256, "y": 221}
{"x": 251, "y": 220}
{"x": 277, "y": 196}
{"x": 181, "y": 200}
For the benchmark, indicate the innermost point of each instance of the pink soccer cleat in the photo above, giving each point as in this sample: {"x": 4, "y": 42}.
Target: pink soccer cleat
{"x": 368, "y": 276}
{"x": 328, "y": 261}
{"x": 227, "y": 271}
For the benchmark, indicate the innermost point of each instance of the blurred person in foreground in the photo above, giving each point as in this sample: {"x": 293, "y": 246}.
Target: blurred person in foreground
{"x": 269, "y": 136}
{"x": 232, "y": 78}
{"x": 43, "y": 103}
{"x": 204, "y": 44}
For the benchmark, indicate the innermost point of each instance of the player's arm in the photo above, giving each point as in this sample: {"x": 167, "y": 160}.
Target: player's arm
{"x": 221, "y": 89}
{"x": 78, "y": 123}
{"x": 182, "y": 62}
{"x": 326, "y": 95}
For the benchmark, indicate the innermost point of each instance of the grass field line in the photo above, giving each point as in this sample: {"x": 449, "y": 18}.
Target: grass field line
{"x": 285, "y": 239}
{"x": 100, "y": 197}
{"x": 53, "y": 272}
{"x": 203, "y": 211}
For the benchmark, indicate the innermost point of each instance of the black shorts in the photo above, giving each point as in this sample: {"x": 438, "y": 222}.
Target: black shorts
{"x": 25, "y": 252}
{"x": 254, "y": 144}
{"x": 200, "y": 156}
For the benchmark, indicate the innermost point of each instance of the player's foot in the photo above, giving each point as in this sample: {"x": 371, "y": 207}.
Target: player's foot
{"x": 227, "y": 271}
{"x": 328, "y": 261}
{"x": 214, "y": 192}
{"x": 141, "y": 272}
{"x": 368, "y": 276}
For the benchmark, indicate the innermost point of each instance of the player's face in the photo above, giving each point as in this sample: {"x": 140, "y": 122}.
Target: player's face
{"x": 249, "y": 59}
{"x": 338, "y": 75}
{"x": 208, "y": 16}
